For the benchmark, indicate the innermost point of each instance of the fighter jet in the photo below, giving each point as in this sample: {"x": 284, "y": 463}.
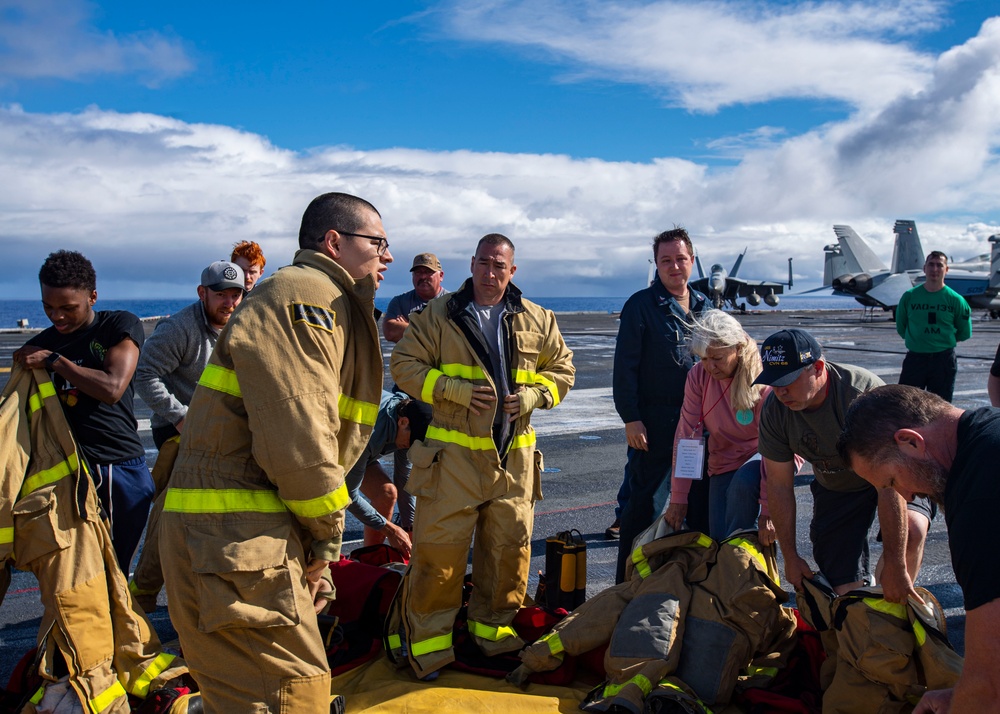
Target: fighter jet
{"x": 724, "y": 287}
{"x": 851, "y": 268}
{"x": 865, "y": 277}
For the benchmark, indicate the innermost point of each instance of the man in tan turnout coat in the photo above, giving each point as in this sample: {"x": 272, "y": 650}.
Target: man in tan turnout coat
{"x": 50, "y": 525}
{"x": 255, "y": 507}
{"x": 484, "y": 358}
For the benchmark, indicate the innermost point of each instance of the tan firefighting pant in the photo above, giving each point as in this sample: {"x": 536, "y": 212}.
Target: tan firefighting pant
{"x": 451, "y": 508}
{"x": 107, "y": 644}
{"x": 147, "y": 580}
{"x": 245, "y": 618}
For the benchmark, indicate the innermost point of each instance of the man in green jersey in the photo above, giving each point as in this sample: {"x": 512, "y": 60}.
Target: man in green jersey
{"x": 932, "y": 318}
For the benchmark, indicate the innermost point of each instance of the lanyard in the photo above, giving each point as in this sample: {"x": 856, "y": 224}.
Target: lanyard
{"x": 701, "y": 422}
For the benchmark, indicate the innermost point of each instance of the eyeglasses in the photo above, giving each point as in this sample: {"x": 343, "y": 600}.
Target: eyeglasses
{"x": 383, "y": 242}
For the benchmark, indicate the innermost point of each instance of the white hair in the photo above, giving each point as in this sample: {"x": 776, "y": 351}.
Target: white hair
{"x": 716, "y": 329}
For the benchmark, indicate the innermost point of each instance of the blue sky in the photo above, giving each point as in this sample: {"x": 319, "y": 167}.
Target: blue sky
{"x": 152, "y": 136}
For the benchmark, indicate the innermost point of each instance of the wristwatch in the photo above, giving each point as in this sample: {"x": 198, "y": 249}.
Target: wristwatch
{"x": 51, "y": 360}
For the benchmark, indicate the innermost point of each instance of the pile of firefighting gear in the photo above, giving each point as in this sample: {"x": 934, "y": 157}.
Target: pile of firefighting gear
{"x": 881, "y": 656}
{"x": 692, "y": 618}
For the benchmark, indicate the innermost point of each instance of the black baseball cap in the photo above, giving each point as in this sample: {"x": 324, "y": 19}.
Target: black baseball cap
{"x": 785, "y": 354}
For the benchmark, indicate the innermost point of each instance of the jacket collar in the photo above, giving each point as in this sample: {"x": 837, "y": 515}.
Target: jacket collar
{"x": 664, "y": 299}
{"x": 363, "y": 290}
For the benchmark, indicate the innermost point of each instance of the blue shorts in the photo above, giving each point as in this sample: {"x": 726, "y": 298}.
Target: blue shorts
{"x": 125, "y": 491}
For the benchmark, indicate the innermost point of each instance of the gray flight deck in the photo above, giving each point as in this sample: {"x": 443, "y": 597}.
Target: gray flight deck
{"x": 584, "y": 446}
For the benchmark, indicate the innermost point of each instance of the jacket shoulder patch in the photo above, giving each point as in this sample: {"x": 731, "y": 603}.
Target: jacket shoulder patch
{"x": 314, "y": 316}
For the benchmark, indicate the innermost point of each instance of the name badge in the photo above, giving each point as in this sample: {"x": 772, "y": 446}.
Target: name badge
{"x": 690, "y": 459}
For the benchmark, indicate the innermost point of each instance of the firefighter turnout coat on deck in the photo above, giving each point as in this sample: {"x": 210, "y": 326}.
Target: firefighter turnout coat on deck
{"x": 692, "y": 612}
{"x": 472, "y": 474}
{"x": 50, "y": 525}
{"x": 283, "y": 409}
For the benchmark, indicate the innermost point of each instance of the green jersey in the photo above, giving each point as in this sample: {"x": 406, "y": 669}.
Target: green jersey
{"x": 933, "y": 321}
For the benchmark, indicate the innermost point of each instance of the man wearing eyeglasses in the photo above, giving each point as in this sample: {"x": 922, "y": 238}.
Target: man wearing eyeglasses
{"x": 255, "y": 507}
{"x": 484, "y": 358}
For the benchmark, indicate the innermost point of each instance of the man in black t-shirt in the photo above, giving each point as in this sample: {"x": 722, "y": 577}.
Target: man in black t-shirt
{"x": 918, "y": 444}
{"x": 92, "y": 357}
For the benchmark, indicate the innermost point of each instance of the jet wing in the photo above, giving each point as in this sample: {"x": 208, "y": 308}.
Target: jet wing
{"x": 888, "y": 292}
{"x": 745, "y": 287}
{"x": 701, "y": 285}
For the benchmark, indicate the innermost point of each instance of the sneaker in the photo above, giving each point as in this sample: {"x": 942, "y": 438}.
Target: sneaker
{"x": 614, "y": 530}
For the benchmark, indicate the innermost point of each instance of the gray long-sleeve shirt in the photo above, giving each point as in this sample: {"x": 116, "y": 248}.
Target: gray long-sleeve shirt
{"x": 171, "y": 362}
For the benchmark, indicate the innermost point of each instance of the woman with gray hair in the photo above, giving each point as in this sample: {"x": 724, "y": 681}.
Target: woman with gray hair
{"x": 721, "y": 400}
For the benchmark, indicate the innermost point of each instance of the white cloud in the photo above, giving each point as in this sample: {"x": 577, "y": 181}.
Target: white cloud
{"x": 153, "y": 199}
{"x": 42, "y": 39}
{"x": 708, "y": 55}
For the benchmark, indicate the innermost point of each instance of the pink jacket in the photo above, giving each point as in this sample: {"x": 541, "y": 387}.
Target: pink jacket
{"x": 707, "y": 406}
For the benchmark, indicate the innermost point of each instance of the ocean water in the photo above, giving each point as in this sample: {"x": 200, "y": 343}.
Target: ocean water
{"x": 31, "y": 310}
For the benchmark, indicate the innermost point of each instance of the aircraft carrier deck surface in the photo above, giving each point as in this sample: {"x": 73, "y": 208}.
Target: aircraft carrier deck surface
{"x": 584, "y": 446}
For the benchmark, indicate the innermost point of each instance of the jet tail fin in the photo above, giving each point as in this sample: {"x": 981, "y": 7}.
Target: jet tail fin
{"x": 834, "y": 263}
{"x": 736, "y": 266}
{"x": 859, "y": 258}
{"x": 697, "y": 262}
{"x": 907, "y": 254}
{"x": 995, "y": 263}
{"x": 789, "y": 272}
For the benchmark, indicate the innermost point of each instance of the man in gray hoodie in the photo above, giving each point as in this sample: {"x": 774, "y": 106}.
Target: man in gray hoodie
{"x": 178, "y": 350}
{"x": 169, "y": 366}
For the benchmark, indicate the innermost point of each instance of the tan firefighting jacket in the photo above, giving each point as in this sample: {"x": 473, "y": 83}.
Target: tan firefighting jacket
{"x": 692, "y": 611}
{"x": 888, "y": 654}
{"x": 436, "y": 356}
{"x": 281, "y": 412}
{"x": 50, "y": 525}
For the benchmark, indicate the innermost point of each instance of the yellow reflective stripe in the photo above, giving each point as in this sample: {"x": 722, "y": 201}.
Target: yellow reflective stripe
{"x": 221, "y": 380}
{"x": 666, "y": 684}
{"x": 395, "y": 642}
{"x": 525, "y": 376}
{"x": 50, "y": 475}
{"x": 751, "y": 549}
{"x": 154, "y": 670}
{"x": 37, "y": 696}
{"x": 703, "y": 540}
{"x": 639, "y": 561}
{"x": 554, "y": 642}
{"x": 638, "y": 680}
{"x": 895, "y": 609}
{"x": 488, "y": 632}
{"x": 222, "y": 500}
{"x": 450, "y": 436}
{"x": 45, "y": 391}
{"x": 323, "y": 505}
{"x": 898, "y": 609}
{"x": 356, "y": 410}
{"x": 103, "y": 700}
{"x": 136, "y": 590}
{"x": 6, "y": 535}
{"x": 427, "y": 393}
{"x": 523, "y": 441}
{"x": 753, "y": 671}
{"x": 434, "y": 644}
{"x": 465, "y": 371}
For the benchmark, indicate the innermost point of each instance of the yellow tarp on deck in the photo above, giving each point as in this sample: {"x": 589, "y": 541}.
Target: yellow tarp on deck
{"x": 379, "y": 687}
